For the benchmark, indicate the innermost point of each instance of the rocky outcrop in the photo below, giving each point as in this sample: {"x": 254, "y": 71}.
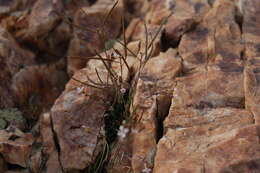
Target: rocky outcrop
{"x": 175, "y": 89}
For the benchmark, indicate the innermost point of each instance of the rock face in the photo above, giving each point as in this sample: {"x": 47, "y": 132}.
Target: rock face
{"x": 184, "y": 75}
{"x": 95, "y": 26}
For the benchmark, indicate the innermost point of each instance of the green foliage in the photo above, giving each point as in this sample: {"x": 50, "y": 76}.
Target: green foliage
{"x": 10, "y": 115}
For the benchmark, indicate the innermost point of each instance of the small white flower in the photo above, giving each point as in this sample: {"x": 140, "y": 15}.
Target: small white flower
{"x": 146, "y": 169}
{"x": 122, "y": 132}
{"x": 79, "y": 90}
{"x": 123, "y": 90}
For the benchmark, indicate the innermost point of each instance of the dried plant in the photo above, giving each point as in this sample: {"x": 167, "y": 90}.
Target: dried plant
{"x": 123, "y": 101}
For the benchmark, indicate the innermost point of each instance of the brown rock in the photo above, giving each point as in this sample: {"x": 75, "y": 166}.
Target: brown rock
{"x": 153, "y": 45}
{"x": 213, "y": 147}
{"x": 12, "y": 59}
{"x": 151, "y": 101}
{"x": 186, "y": 16}
{"x": 39, "y": 84}
{"x": 50, "y": 150}
{"x": 78, "y": 119}
{"x": 250, "y": 25}
{"x": 216, "y": 38}
{"x": 78, "y": 114}
{"x": 44, "y": 17}
{"x": 204, "y": 90}
{"x": 252, "y": 87}
{"x": 8, "y": 6}
{"x": 16, "y": 146}
{"x": 150, "y": 104}
{"x": 86, "y": 42}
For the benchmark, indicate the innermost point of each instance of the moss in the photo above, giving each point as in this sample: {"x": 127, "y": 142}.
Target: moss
{"x": 10, "y": 115}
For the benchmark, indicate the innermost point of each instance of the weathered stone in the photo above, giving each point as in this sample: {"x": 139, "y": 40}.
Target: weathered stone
{"x": 39, "y": 84}
{"x": 44, "y": 17}
{"x": 217, "y": 37}
{"x": 136, "y": 32}
{"x": 150, "y": 103}
{"x": 50, "y": 150}
{"x": 78, "y": 118}
{"x": 16, "y": 146}
{"x": 17, "y": 24}
{"x": 204, "y": 90}
{"x": 12, "y": 59}
{"x": 210, "y": 148}
{"x": 252, "y": 87}
{"x": 8, "y": 6}
{"x": 93, "y": 28}
{"x": 187, "y": 14}
{"x": 250, "y": 25}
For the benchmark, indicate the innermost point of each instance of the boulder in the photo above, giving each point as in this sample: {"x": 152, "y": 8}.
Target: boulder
{"x": 12, "y": 59}
{"x": 44, "y": 17}
{"x": 93, "y": 27}
{"x": 16, "y": 146}
{"x": 39, "y": 85}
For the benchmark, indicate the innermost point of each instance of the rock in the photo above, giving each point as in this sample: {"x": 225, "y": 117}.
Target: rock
{"x": 16, "y": 146}
{"x": 250, "y": 27}
{"x": 91, "y": 32}
{"x": 36, "y": 160}
{"x": 50, "y": 150}
{"x": 44, "y": 17}
{"x": 78, "y": 114}
{"x": 12, "y": 59}
{"x": 252, "y": 87}
{"x": 203, "y": 89}
{"x": 39, "y": 85}
{"x": 8, "y": 6}
{"x": 209, "y": 42}
{"x": 136, "y": 32}
{"x": 78, "y": 120}
{"x": 187, "y": 14}
{"x": 209, "y": 148}
{"x": 2, "y": 164}
{"x": 17, "y": 24}
{"x": 151, "y": 100}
